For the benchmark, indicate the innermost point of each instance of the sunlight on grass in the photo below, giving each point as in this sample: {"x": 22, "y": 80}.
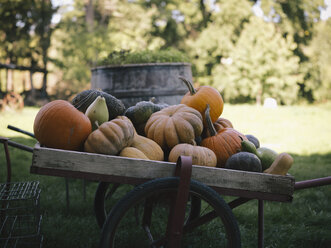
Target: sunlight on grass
{"x": 302, "y": 130}
{"x": 22, "y": 119}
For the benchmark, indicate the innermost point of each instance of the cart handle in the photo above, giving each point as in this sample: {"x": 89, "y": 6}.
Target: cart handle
{"x": 312, "y": 183}
{"x": 20, "y": 131}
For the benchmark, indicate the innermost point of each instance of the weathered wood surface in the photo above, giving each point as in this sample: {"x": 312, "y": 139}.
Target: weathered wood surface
{"x": 109, "y": 168}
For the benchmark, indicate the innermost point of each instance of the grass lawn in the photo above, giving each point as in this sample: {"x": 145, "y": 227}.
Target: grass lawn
{"x": 302, "y": 131}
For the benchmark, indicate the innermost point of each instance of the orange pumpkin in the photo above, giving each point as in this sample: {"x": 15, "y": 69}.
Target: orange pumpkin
{"x": 222, "y": 123}
{"x": 219, "y": 124}
{"x": 224, "y": 142}
{"x": 58, "y": 124}
{"x": 198, "y": 98}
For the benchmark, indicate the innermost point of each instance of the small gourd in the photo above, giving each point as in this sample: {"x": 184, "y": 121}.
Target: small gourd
{"x": 266, "y": 155}
{"x": 132, "y": 152}
{"x": 97, "y": 112}
{"x": 111, "y": 137}
{"x": 253, "y": 139}
{"x": 200, "y": 155}
{"x": 281, "y": 165}
{"x": 148, "y": 147}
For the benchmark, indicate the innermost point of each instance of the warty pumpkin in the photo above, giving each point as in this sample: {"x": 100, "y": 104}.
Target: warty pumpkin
{"x": 200, "y": 155}
{"x": 173, "y": 125}
{"x": 224, "y": 143}
{"x": 60, "y": 125}
{"x": 198, "y": 98}
{"x": 140, "y": 113}
{"x": 111, "y": 137}
{"x": 85, "y": 98}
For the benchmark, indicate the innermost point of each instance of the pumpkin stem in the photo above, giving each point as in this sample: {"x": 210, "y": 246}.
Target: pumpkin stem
{"x": 210, "y": 125}
{"x": 189, "y": 85}
{"x": 96, "y": 124}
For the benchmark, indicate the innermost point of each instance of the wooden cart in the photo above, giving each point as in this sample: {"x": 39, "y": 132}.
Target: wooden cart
{"x": 190, "y": 185}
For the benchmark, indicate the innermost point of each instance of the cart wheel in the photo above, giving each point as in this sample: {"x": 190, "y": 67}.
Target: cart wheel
{"x": 140, "y": 218}
{"x": 104, "y": 200}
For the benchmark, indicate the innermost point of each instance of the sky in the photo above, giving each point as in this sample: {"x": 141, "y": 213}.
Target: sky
{"x": 58, "y": 3}
{"x": 326, "y": 13}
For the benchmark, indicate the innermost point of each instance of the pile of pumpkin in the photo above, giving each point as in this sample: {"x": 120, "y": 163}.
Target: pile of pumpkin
{"x": 97, "y": 122}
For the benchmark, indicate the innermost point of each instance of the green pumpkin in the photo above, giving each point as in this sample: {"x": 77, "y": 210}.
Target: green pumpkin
{"x": 85, "y": 98}
{"x": 140, "y": 113}
{"x": 266, "y": 155}
{"x": 245, "y": 161}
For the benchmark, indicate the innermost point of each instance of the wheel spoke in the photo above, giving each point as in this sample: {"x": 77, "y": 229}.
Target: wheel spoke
{"x": 200, "y": 221}
{"x": 140, "y": 218}
{"x": 111, "y": 191}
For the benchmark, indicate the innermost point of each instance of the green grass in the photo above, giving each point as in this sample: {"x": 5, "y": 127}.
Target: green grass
{"x": 302, "y": 131}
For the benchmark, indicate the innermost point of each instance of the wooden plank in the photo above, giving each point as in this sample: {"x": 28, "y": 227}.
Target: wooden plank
{"x": 121, "y": 168}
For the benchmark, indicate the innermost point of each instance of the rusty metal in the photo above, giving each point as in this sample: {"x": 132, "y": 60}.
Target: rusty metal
{"x": 20, "y": 216}
{"x": 253, "y": 194}
{"x": 20, "y": 131}
{"x": 177, "y": 212}
{"x": 260, "y": 224}
{"x": 5, "y": 144}
{"x": 20, "y": 146}
{"x": 312, "y": 183}
{"x": 237, "y": 202}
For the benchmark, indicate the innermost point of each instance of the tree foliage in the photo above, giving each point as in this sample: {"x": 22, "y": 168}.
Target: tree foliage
{"x": 317, "y": 84}
{"x": 262, "y": 64}
{"x": 283, "y": 53}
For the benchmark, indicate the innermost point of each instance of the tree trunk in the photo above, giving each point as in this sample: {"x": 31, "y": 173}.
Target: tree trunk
{"x": 33, "y": 90}
{"x": 45, "y": 34}
{"x": 44, "y": 93}
{"x": 89, "y": 16}
{"x": 9, "y": 83}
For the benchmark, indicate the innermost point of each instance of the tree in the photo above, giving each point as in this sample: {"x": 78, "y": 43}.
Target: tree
{"x": 25, "y": 33}
{"x": 218, "y": 39}
{"x": 262, "y": 64}
{"x": 317, "y": 86}
{"x": 295, "y": 18}
{"x": 83, "y": 38}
